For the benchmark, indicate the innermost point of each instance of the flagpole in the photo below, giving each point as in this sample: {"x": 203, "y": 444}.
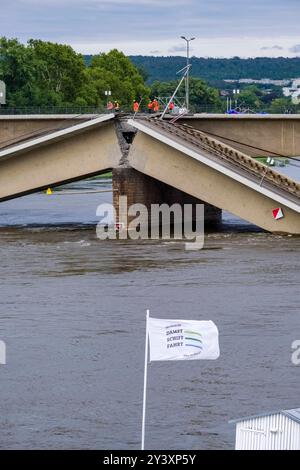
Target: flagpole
{"x": 145, "y": 383}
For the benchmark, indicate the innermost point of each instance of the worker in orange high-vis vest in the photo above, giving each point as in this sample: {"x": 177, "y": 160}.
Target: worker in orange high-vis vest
{"x": 171, "y": 106}
{"x": 110, "y": 106}
{"x": 155, "y": 106}
{"x": 135, "y": 106}
{"x": 150, "y": 106}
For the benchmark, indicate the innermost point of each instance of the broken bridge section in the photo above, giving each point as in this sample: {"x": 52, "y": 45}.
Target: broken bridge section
{"x": 153, "y": 161}
{"x": 211, "y": 171}
{"x": 50, "y": 159}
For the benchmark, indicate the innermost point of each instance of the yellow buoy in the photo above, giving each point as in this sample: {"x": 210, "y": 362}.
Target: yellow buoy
{"x": 49, "y": 191}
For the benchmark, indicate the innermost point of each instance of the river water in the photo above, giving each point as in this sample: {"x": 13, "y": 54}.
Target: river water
{"x": 72, "y": 315}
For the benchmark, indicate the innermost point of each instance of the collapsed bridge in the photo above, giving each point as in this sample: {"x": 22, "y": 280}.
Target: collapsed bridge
{"x": 153, "y": 161}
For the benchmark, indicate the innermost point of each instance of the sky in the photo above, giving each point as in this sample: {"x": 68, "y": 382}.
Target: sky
{"x": 222, "y": 28}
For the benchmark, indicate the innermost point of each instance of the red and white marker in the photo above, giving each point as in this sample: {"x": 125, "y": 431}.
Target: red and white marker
{"x": 278, "y": 213}
{"x": 119, "y": 226}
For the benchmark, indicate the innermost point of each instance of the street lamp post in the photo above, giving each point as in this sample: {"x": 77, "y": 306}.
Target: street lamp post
{"x": 2, "y": 93}
{"x": 236, "y": 92}
{"x": 107, "y": 94}
{"x": 187, "y": 92}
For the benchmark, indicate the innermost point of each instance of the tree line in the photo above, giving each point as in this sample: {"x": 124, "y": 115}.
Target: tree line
{"x": 42, "y": 73}
{"x": 45, "y": 74}
{"x": 215, "y": 69}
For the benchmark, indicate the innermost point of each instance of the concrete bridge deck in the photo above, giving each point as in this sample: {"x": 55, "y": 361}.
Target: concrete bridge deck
{"x": 263, "y": 134}
{"x": 45, "y": 136}
{"x": 215, "y": 173}
{"x": 240, "y": 163}
{"x": 58, "y": 157}
{"x": 177, "y": 155}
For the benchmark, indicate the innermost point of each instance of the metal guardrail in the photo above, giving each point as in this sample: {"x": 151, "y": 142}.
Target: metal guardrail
{"x": 293, "y": 109}
{"x": 78, "y": 110}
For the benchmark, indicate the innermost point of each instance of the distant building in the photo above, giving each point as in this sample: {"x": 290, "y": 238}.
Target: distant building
{"x": 261, "y": 81}
{"x": 293, "y": 91}
{"x": 269, "y": 431}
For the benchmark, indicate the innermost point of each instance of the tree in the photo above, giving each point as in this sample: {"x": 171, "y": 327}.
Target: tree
{"x": 115, "y": 72}
{"x": 59, "y": 70}
{"x": 271, "y": 94}
{"x": 211, "y": 69}
{"x": 200, "y": 93}
{"x": 15, "y": 69}
{"x": 41, "y": 73}
{"x": 281, "y": 105}
{"x": 250, "y": 97}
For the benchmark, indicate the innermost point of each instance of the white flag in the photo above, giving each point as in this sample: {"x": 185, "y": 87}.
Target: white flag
{"x": 172, "y": 340}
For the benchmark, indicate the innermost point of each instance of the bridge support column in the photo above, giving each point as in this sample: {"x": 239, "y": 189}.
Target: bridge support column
{"x": 142, "y": 189}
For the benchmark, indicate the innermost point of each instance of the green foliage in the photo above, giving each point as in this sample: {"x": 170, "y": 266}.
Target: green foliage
{"x": 200, "y": 93}
{"x": 255, "y": 99}
{"x": 15, "y": 67}
{"x": 210, "y": 69}
{"x": 143, "y": 72}
{"x": 58, "y": 69}
{"x": 270, "y": 95}
{"x": 250, "y": 97}
{"x": 114, "y": 72}
{"x": 48, "y": 74}
{"x": 281, "y": 105}
{"x": 41, "y": 73}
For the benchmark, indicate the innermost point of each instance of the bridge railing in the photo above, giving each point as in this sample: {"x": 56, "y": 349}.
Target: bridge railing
{"x": 80, "y": 110}
{"x": 221, "y": 109}
{"x": 76, "y": 110}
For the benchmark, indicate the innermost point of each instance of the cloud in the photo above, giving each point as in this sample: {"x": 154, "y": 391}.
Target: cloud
{"x": 156, "y": 24}
{"x": 178, "y": 49}
{"x": 295, "y": 48}
{"x": 100, "y": 3}
{"x": 270, "y": 48}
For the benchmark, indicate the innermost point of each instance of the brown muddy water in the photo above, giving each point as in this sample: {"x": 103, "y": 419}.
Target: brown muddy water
{"x": 72, "y": 314}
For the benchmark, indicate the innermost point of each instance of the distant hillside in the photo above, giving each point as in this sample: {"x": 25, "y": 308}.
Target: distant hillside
{"x": 165, "y": 68}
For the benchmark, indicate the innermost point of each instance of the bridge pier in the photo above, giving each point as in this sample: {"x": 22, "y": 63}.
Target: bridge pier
{"x": 143, "y": 189}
